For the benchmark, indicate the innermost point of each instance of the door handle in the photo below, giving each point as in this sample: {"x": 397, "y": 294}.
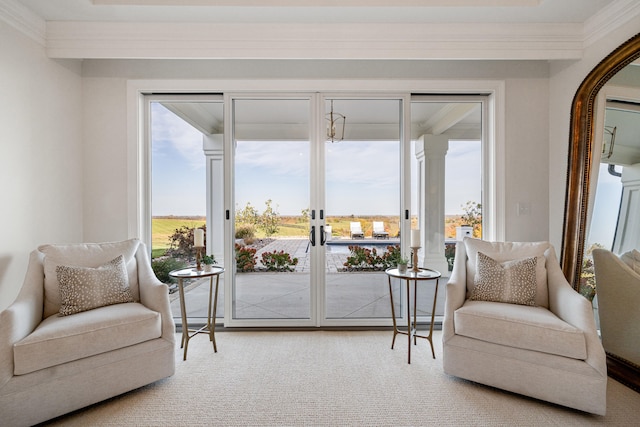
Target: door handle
{"x": 323, "y": 238}
{"x": 312, "y": 235}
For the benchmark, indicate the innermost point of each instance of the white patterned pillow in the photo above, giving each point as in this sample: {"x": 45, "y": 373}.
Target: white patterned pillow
{"x": 511, "y": 282}
{"x": 85, "y": 255}
{"x": 509, "y": 251}
{"x": 85, "y": 288}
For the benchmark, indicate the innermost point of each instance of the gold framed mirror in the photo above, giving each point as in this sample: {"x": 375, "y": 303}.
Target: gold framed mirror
{"x": 579, "y": 164}
{"x": 582, "y": 153}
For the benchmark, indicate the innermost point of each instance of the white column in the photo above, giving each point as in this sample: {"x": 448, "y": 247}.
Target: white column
{"x": 628, "y": 230}
{"x": 430, "y": 152}
{"x": 213, "y": 147}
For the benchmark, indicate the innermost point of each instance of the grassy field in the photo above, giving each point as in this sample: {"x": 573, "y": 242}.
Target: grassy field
{"x": 163, "y": 227}
{"x": 290, "y": 226}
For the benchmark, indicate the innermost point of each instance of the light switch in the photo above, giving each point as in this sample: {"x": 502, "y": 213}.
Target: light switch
{"x": 523, "y": 208}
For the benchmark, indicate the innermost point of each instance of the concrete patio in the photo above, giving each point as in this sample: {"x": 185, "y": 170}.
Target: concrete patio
{"x": 349, "y": 295}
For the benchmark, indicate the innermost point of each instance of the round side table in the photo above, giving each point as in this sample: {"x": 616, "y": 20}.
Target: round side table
{"x": 409, "y": 276}
{"x": 192, "y": 273}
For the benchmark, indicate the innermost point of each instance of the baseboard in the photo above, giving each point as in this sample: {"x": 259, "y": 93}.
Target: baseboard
{"x": 623, "y": 371}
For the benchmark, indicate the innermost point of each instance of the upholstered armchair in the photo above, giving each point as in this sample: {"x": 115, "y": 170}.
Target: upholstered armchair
{"x": 512, "y": 321}
{"x": 618, "y": 290}
{"x": 91, "y": 321}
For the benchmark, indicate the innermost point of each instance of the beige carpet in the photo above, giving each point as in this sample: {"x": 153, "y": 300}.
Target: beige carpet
{"x": 333, "y": 379}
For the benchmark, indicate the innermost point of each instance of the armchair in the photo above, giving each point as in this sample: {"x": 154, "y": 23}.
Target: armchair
{"x": 52, "y": 364}
{"x": 548, "y": 350}
{"x": 618, "y": 290}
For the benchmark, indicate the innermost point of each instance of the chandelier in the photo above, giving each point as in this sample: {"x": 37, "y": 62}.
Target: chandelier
{"x": 335, "y": 125}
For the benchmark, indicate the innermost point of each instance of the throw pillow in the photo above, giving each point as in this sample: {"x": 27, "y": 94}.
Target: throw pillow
{"x": 511, "y": 282}
{"x": 85, "y": 288}
{"x": 84, "y": 255}
{"x": 632, "y": 259}
{"x": 509, "y": 251}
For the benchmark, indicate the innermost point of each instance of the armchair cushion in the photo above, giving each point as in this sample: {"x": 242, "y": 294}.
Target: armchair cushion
{"x": 632, "y": 259}
{"x": 511, "y": 282}
{"x": 59, "y": 340}
{"x": 509, "y": 251}
{"x": 529, "y": 328}
{"x": 86, "y": 288}
{"x": 84, "y": 255}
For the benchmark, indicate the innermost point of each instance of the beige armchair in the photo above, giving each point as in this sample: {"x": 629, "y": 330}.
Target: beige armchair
{"x": 52, "y": 364}
{"x": 548, "y": 350}
{"x": 618, "y": 290}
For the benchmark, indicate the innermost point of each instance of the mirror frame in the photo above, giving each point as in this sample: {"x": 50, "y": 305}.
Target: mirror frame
{"x": 580, "y": 156}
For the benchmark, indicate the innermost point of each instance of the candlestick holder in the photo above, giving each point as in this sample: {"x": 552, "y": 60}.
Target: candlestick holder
{"x": 199, "y": 258}
{"x": 414, "y": 252}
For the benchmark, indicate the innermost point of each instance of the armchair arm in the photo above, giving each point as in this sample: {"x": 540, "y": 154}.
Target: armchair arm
{"x": 574, "y": 309}
{"x": 618, "y": 288}
{"x": 23, "y": 315}
{"x": 154, "y": 294}
{"x": 455, "y": 291}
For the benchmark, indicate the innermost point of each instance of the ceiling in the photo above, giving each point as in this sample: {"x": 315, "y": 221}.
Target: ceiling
{"x": 366, "y": 119}
{"x": 322, "y": 29}
{"x": 425, "y": 11}
{"x": 318, "y": 29}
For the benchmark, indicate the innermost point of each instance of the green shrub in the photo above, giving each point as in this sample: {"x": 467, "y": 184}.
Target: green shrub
{"x": 162, "y": 267}
{"x": 245, "y": 258}
{"x": 245, "y": 231}
{"x": 391, "y": 258}
{"x": 182, "y": 242}
{"x": 368, "y": 259}
{"x": 278, "y": 261}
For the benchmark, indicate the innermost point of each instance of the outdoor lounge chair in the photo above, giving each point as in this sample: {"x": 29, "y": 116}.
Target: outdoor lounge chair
{"x": 356, "y": 230}
{"x": 378, "y": 230}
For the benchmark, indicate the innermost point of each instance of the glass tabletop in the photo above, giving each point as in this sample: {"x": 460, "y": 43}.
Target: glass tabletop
{"x": 422, "y": 274}
{"x": 192, "y": 272}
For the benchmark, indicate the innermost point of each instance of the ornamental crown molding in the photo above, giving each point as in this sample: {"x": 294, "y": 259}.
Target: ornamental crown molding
{"x": 124, "y": 40}
{"x": 608, "y": 19}
{"x": 22, "y": 19}
{"x": 127, "y": 40}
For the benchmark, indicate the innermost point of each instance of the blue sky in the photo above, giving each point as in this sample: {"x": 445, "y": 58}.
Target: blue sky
{"x": 362, "y": 177}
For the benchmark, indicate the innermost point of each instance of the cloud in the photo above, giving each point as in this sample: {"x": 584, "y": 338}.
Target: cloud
{"x": 184, "y": 139}
{"x": 274, "y": 157}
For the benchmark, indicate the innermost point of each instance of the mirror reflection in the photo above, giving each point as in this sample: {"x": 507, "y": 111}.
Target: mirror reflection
{"x": 614, "y": 214}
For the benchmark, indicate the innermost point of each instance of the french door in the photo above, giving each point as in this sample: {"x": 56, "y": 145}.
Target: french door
{"x": 282, "y": 180}
{"x": 304, "y": 170}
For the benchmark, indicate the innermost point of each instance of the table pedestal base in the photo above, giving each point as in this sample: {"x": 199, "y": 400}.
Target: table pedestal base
{"x": 411, "y": 331}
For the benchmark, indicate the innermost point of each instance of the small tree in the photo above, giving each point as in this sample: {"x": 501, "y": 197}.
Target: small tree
{"x": 473, "y": 217}
{"x": 269, "y": 220}
{"x": 304, "y": 216}
{"x": 181, "y": 242}
{"x": 248, "y": 215}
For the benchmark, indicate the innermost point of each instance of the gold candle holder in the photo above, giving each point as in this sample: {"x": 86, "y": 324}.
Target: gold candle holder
{"x": 199, "y": 258}
{"x": 414, "y": 251}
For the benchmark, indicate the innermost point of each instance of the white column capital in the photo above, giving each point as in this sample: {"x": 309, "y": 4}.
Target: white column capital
{"x": 213, "y": 145}
{"x": 431, "y": 146}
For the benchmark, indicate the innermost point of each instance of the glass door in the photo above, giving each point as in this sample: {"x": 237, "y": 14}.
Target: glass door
{"x": 271, "y": 144}
{"x": 362, "y": 182}
{"x": 306, "y": 170}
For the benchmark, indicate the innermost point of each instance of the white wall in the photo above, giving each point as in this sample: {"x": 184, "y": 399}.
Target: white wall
{"x": 105, "y": 123}
{"x": 565, "y": 78}
{"x": 527, "y": 151}
{"x": 40, "y": 155}
{"x": 105, "y": 160}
